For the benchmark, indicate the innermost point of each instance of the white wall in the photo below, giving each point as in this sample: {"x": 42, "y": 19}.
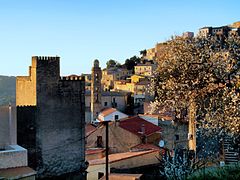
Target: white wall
{"x": 7, "y": 131}
{"x": 153, "y": 120}
{"x": 13, "y": 156}
{"x": 111, "y": 116}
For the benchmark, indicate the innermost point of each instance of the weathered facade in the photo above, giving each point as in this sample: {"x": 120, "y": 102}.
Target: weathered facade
{"x": 174, "y": 134}
{"x": 97, "y": 99}
{"x": 124, "y": 134}
{"x": 50, "y": 117}
{"x": 96, "y": 91}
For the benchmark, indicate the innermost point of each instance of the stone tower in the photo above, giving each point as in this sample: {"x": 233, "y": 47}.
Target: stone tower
{"x": 51, "y": 119}
{"x": 96, "y": 90}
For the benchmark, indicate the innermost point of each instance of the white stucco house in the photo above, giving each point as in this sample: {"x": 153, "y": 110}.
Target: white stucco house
{"x": 111, "y": 114}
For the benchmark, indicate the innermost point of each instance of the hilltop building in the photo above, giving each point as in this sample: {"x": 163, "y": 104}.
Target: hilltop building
{"x": 214, "y": 31}
{"x": 97, "y": 99}
{"x": 222, "y": 31}
{"x": 50, "y": 118}
{"x": 145, "y": 69}
{"x": 137, "y": 85}
{"x": 109, "y": 76}
{"x": 188, "y": 34}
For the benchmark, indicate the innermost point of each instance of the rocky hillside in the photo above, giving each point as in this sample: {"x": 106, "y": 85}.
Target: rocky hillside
{"x": 7, "y": 89}
{"x": 235, "y": 25}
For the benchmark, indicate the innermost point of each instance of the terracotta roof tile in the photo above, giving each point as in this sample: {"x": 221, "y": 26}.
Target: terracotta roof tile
{"x": 94, "y": 151}
{"x": 107, "y": 111}
{"x": 135, "y": 125}
{"x": 145, "y": 147}
{"x": 116, "y": 176}
{"x": 89, "y": 128}
{"x": 119, "y": 156}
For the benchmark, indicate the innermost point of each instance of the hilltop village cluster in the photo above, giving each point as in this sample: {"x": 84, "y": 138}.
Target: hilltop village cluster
{"x": 57, "y": 128}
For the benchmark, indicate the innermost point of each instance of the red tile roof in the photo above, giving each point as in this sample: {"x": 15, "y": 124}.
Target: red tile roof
{"x": 107, "y": 111}
{"x": 135, "y": 125}
{"x": 116, "y": 176}
{"x": 145, "y": 147}
{"x": 120, "y": 156}
{"x": 89, "y": 128}
{"x": 94, "y": 151}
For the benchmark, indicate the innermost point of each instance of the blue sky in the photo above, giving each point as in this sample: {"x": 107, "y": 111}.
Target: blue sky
{"x": 81, "y": 31}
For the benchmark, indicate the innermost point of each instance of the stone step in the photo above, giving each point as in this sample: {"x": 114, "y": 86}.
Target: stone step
{"x": 227, "y": 162}
{"x": 231, "y": 160}
{"x": 231, "y": 157}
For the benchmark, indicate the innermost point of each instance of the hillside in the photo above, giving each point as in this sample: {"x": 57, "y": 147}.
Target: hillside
{"x": 7, "y": 89}
{"x": 235, "y": 25}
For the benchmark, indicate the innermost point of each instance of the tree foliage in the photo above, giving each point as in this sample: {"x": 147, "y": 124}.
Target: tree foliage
{"x": 203, "y": 69}
{"x": 131, "y": 62}
{"x": 112, "y": 64}
{"x": 206, "y": 71}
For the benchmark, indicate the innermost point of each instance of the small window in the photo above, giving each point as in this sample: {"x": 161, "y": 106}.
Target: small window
{"x": 176, "y": 137}
{"x": 116, "y": 117}
{"x": 99, "y": 141}
{"x": 105, "y": 103}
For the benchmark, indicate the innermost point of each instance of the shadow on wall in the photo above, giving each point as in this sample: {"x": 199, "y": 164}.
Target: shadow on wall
{"x": 7, "y": 126}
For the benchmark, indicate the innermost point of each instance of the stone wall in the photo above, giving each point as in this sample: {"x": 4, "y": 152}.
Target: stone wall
{"x": 169, "y": 135}
{"x": 53, "y": 130}
{"x": 26, "y": 87}
{"x": 61, "y": 126}
{"x": 26, "y": 132}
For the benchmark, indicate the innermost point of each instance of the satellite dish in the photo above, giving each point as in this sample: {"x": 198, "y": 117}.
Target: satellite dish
{"x": 161, "y": 143}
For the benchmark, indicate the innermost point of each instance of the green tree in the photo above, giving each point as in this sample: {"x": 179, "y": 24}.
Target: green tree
{"x": 113, "y": 63}
{"x": 131, "y": 62}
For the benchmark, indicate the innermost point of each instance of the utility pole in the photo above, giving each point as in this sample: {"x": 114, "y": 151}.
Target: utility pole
{"x": 107, "y": 148}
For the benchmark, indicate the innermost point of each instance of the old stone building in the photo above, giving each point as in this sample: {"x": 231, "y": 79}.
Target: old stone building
{"x": 174, "y": 134}
{"x": 96, "y": 90}
{"x": 50, "y": 118}
{"x": 124, "y": 134}
{"x": 145, "y": 69}
{"x": 110, "y": 75}
{"x": 97, "y": 99}
{"x": 222, "y": 31}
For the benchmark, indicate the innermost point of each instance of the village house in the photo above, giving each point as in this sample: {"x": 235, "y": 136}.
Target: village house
{"x": 137, "y": 85}
{"x": 109, "y": 76}
{"x": 174, "y": 134}
{"x": 126, "y": 160}
{"x": 97, "y": 99}
{"x": 109, "y": 99}
{"x": 111, "y": 114}
{"x": 124, "y": 134}
{"x": 146, "y": 69}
